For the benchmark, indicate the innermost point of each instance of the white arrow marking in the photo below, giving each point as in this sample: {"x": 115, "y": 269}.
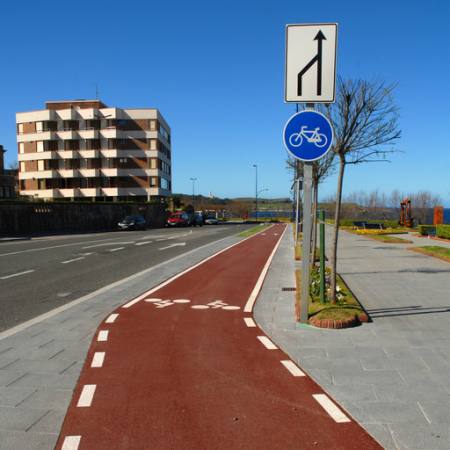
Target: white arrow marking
{"x": 181, "y": 244}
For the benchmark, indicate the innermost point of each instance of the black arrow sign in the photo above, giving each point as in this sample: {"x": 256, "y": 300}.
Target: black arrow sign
{"x": 317, "y": 59}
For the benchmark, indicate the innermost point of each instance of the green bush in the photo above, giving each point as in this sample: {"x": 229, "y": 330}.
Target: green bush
{"x": 443, "y": 231}
{"x": 426, "y": 230}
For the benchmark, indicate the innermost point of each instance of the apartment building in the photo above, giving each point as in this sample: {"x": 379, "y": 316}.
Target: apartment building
{"x": 7, "y": 178}
{"x": 85, "y": 149}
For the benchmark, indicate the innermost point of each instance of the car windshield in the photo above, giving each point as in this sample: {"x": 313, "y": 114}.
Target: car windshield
{"x": 129, "y": 219}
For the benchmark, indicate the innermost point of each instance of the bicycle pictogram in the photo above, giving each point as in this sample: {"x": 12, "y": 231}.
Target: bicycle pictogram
{"x": 312, "y": 136}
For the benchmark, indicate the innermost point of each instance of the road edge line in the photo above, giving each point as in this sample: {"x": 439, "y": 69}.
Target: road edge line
{"x": 248, "y": 308}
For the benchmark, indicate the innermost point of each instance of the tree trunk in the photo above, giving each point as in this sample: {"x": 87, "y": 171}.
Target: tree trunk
{"x": 337, "y": 216}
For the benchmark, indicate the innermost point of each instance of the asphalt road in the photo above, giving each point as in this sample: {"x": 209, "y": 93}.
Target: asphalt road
{"x": 41, "y": 274}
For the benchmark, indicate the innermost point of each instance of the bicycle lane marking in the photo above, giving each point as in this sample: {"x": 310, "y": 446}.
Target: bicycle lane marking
{"x": 182, "y": 378}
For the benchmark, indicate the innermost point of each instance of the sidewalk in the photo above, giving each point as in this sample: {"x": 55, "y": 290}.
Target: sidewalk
{"x": 40, "y": 364}
{"x": 392, "y": 375}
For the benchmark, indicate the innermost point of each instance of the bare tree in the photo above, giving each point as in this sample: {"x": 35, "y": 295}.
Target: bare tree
{"x": 13, "y": 165}
{"x": 365, "y": 121}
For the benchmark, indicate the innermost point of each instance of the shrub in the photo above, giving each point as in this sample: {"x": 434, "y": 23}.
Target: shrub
{"x": 443, "y": 231}
{"x": 426, "y": 230}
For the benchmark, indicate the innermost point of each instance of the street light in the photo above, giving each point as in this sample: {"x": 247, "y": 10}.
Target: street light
{"x": 193, "y": 190}
{"x": 256, "y": 190}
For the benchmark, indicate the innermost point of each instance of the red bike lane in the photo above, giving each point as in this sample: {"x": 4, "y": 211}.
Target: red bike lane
{"x": 186, "y": 368}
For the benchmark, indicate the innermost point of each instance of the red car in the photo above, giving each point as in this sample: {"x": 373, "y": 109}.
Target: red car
{"x": 178, "y": 219}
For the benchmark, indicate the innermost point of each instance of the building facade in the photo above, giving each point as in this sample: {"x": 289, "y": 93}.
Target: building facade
{"x": 8, "y": 179}
{"x": 84, "y": 149}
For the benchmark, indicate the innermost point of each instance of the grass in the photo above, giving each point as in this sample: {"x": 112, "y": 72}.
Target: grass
{"x": 389, "y": 239}
{"x": 362, "y": 232}
{"x": 254, "y": 230}
{"x": 434, "y": 250}
{"x": 347, "y": 308}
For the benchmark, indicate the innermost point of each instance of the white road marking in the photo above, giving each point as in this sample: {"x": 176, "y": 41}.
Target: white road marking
{"x": 98, "y": 359}
{"x": 71, "y": 443}
{"x": 335, "y": 413}
{"x": 72, "y": 260}
{"x": 87, "y": 395}
{"x": 16, "y": 274}
{"x": 87, "y": 254}
{"x": 249, "y": 322}
{"x": 163, "y": 304}
{"x": 152, "y": 300}
{"x": 200, "y": 307}
{"x": 102, "y": 336}
{"x": 267, "y": 343}
{"x": 179, "y": 244}
{"x": 231, "y": 308}
{"x": 143, "y": 243}
{"x": 178, "y": 275}
{"x": 116, "y": 249}
{"x": 112, "y": 318}
{"x": 181, "y": 300}
{"x": 251, "y": 300}
{"x": 294, "y": 369}
{"x": 217, "y": 304}
{"x": 109, "y": 243}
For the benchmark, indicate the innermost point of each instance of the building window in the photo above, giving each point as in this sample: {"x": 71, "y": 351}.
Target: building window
{"x": 154, "y": 181}
{"x": 153, "y": 125}
{"x": 153, "y": 144}
{"x": 20, "y": 128}
{"x": 40, "y": 146}
{"x": 22, "y": 166}
{"x": 21, "y": 147}
{"x": 38, "y": 127}
{"x": 40, "y": 164}
{"x": 164, "y": 183}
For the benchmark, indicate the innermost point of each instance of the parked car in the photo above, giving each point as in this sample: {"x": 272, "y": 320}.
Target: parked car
{"x": 132, "y": 223}
{"x": 211, "y": 220}
{"x": 178, "y": 219}
{"x": 199, "y": 220}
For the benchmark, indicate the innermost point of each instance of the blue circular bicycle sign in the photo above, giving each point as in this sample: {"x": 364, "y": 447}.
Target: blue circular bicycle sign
{"x": 308, "y": 135}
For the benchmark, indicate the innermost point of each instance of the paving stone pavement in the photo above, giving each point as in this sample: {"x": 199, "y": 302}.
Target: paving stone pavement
{"x": 391, "y": 375}
{"x": 40, "y": 365}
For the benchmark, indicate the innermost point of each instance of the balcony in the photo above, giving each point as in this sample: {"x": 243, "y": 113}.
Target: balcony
{"x": 69, "y": 173}
{"x": 89, "y": 173}
{"x": 68, "y": 154}
{"x": 89, "y": 134}
{"x": 89, "y": 153}
{"x": 110, "y": 133}
{"x": 68, "y": 114}
{"x": 38, "y": 136}
{"x": 68, "y": 134}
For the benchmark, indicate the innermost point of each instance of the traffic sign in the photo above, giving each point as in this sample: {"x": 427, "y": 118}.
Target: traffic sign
{"x": 310, "y": 63}
{"x": 308, "y": 135}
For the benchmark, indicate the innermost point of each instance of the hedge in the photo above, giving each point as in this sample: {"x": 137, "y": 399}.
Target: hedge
{"x": 443, "y": 231}
{"x": 426, "y": 230}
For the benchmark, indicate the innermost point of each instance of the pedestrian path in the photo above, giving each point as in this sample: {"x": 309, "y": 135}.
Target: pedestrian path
{"x": 183, "y": 366}
{"x": 392, "y": 375}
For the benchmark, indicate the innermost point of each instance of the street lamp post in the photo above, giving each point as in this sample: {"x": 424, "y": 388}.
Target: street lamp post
{"x": 256, "y": 190}
{"x": 193, "y": 191}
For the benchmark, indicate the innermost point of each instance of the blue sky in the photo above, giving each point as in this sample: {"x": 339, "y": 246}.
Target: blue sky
{"x": 216, "y": 71}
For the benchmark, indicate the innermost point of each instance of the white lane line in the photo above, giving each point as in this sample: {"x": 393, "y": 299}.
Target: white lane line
{"x": 116, "y": 249}
{"x": 72, "y": 260}
{"x": 267, "y": 343}
{"x": 87, "y": 254}
{"x": 294, "y": 369}
{"x": 249, "y": 322}
{"x": 98, "y": 359}
{"x": 143, "y": 243}
{"x": 16, "y": 274}
{"x": 178, "y": 275}
{"x": 335, "y": 413}
{"x": 71, "y": 443}
{"x": 87, "y": 395}
{"x": 112, "y": 318}
{"x": 252, "y": 299}
{"x": 109, "y": 243}
{"x": 102, "y": 336}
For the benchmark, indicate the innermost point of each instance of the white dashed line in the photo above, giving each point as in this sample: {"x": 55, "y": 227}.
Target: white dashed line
{"x": 72, "y": 260}
{"x": 143, "y": 243}
{"x": 249, "y": 322}
{"x": 116, "y": 249}
{"x": 112, "y": 318}
{"x": 182, "y": 300}
{"x": 102, "y": 336}
{"x": 87, "y": 395}
{"x": 71, "y": 443}
{"x": 295, "y": 370}
{"x": 16, "y": 274}
{"x": 267, "y": 343}
{"x": 200, "y": 307}
{"x": 152, "y": 300}
{"x": 98, "y": 359}
{"x": 335, "y": 413}
{"x": 231, "y": 308}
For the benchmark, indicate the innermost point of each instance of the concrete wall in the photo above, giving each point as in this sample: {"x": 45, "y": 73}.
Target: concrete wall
{"x": 37, "y": 218}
